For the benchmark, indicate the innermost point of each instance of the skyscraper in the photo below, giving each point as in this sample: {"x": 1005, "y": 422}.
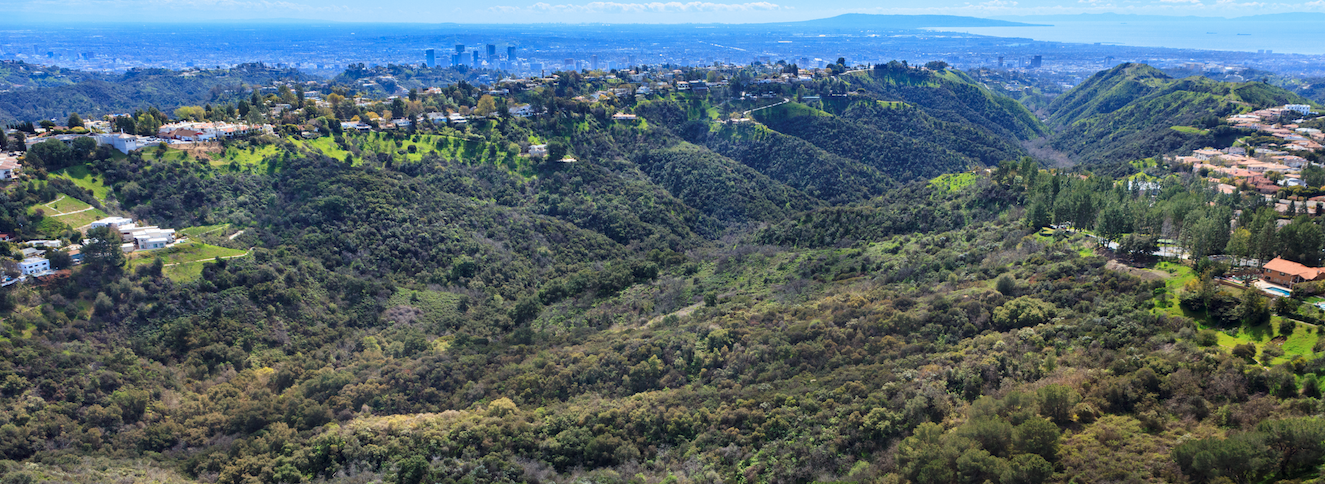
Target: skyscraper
{"x": 593, "y": 62}
{"x": 460, "y": 48}
{"x": 492, "y": 52}
{"x": 432, "y": 57}
{"x": 1000, "y": 61}
{"x": 1037, "y": 61}
{"x": 476, "y": 61}
{"x": 510, "y": 53}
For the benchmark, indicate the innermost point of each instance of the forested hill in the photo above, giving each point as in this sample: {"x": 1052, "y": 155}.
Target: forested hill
{"x": 93, "y": 96}
{"x": 1129, "y": 112}
{"x": 847, "y": 278}
{"x": 852, "y": 137}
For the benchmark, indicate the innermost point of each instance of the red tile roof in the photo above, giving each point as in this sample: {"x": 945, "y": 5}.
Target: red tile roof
{"x": 1290, "y": 267}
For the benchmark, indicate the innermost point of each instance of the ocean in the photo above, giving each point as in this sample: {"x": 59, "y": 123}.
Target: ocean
{"x": 1245, "y": 35}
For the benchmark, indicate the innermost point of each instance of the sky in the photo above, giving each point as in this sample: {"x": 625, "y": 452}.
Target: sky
{"x": 534, "y": 11}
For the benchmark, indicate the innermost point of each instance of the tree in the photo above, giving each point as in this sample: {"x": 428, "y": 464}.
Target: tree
{"x": 1037, "y": 436}
{"x": 59, "y": 259}
{"x": 102, "y": 249}
{"x": 1006, "y": 285}
{"x": 1313, "y": 175}
{"x": 1056, "y": 402}
{"x": 1299, "y": 442}
{"x": 1038, "y": 215}
{"x": 556, "y": 150}
{"x": 83, "y": 148}
{"x": 1133, "y": 246}
{"x": 1027, "y": 469}
{"x": 1239, "y": 244}
{"x": 1021, "y": 312}
{"x": 1301, "y": 241}
{"x": 397, "y": 108}
{"x": 1254, "y": 310}
{"x": 74, "y": 121}
{"x": 1243, "y": 457}
{"x": 1113, "y": 221}
{"x": 486, "y": 106}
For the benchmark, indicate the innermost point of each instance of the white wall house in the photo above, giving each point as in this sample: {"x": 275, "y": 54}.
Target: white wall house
{"x": 34, "y": 265}
{"x": 120, "y": 141}
{"x": 9, "y": 167}
{"x": 116, "y": 222}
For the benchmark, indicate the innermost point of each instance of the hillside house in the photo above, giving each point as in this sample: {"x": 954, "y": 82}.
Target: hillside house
{"x": 9, "y": 167}
{"x": 34, "y": 265}
{"x": 522, "y": 111}
{"x": 1287, "y": 273}
{"x": 112, "y": 222}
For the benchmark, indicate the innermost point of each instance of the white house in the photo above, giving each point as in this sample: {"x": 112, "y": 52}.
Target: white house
{"x": 149, "y": 237}
{"x": 112, "y": 222}
{"x": 34, "y": 265}
{"x": 1302, "y": 109}
{"x": 538, "y": 150}
{"x": 120, "y": 141}
{"x": 8, "y": 167}
{"x": 522, "y": 111}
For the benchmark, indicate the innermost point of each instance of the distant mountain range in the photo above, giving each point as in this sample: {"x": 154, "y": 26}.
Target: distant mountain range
{"x": 1117, "y": 17}
{"x": 895, "y": 22}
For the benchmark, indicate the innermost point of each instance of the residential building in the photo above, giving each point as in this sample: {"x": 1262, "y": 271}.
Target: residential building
{"x": 538, "y": 150}
{"x": 34, "y": 265}
{"x": 1287, "y": 273}
{"x": 112, "y": 222}
{"x": 120, "y": 141}
{"x": 522, "y": 111}
{"x": 9, "y": 167}
{"x": 1302, "y": 109}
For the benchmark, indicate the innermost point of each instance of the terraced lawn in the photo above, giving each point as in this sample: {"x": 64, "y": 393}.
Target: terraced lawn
{"x": 184, "y": 261}
{"x": 69, "y": 211}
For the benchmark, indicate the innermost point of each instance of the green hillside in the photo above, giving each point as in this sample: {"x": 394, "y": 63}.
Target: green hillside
{"x": 93, "y": 96}
{"x": 798, "y": 163}
{"x": 898, "y": 156}
{"x": 870, "y": 286}
{"x": 1125, "y": 113}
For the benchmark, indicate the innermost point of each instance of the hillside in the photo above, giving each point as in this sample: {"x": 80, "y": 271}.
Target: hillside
{"x": 93, "y": 96}
{"x": 720, "y": 289}
{"x": 1127, "y": 112}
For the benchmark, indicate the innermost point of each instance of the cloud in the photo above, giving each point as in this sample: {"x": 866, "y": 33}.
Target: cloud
{"x": 648, "y": 7}
{"x": 1196, "y": 2}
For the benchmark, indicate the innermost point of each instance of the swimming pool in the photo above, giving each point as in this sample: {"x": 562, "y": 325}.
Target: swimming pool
{"x": 1279, "y": 291}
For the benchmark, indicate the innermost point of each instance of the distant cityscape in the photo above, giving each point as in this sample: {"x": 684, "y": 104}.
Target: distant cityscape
{"x": 326, "y": 50}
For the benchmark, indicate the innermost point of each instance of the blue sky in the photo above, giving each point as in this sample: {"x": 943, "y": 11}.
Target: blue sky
{"x": 626, "y": 11}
